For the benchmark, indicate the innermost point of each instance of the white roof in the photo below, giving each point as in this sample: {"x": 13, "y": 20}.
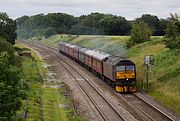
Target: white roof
{"x": 90, "y": 52}
{"x": 83, "y": 50}
{"x": 72, "y": 46}
{"x": 67, "y": 44}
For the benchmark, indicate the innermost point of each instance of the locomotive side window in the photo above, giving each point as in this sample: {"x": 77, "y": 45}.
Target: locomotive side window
{"x": 130, "y": 68}
{"x": 120, "y": 68}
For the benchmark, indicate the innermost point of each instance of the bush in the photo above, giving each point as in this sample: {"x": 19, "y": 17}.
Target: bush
{"x": 11, "y": 88}
{"x": 140, "y": 32}
{"x": 172, "y": 38}
{"x": 7, "y": 47}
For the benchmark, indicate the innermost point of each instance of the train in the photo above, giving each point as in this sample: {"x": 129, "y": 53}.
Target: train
{"x": 118, "y": 72}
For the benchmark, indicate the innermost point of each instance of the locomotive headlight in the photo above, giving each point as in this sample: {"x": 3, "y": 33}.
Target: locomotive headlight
{"x": 127, "y": 79}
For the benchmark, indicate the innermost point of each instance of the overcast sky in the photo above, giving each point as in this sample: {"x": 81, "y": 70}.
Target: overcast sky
{"x": 127, "y": 8}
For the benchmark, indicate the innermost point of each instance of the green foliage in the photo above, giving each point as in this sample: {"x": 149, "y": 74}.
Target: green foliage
{"x": 140, "y": 33}
{"x": 60, "y": 23}
{"x": 7, "y": 47}
{"x": 164, "y": 83}
{"x": 7, "y": 28}
{"x": 115, "y": 25}
{"x": 95, "y": 23}
{"x": 44, "y": 25}
{"x": 84, "y": 30}
{"x": 172, "y": 38}
{"x": 166, "y": 73}
{"x": 11, "y": 89}
{"x": 151, "y": 20}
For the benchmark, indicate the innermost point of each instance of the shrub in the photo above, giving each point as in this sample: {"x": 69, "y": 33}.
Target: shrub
{"x": 140, "y": 32}
{"x": 172, "y": 38}
{"x": 11, "y": 88}
{"x": 7, "y": 47}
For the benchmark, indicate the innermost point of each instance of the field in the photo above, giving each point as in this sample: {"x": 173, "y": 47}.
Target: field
{"x": 164, "y": 83}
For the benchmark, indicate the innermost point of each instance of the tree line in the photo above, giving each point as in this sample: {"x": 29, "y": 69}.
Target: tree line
{"x": 94, "y": 23}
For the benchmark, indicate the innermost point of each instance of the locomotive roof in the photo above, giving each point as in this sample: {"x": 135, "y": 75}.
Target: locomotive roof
{"x": 114, "y": 60}
{"x": 100, "y": 55}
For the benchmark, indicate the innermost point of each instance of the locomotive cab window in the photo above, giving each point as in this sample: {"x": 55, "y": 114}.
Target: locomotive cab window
{"x": 120, "y": 68}
{"x": 130, "y": 68}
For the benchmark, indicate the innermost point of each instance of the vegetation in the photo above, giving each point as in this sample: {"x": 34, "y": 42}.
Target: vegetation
{"x": 44, "y": 26}
{"x": 7, "y": 28}
{"x": 164, "y": 78}
{"x": 12, "y": 89}
{"x": 7, "y": 47}
{"x": 110, "y": 44}
{"x": 140, "y": 33}
{"x": 172, "y": 38}
{"x": 157, "y": 26}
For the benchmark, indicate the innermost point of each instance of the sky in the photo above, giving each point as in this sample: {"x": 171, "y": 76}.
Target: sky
{"x": 130, "y": 9}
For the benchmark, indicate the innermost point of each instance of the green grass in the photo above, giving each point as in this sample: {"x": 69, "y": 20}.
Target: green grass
{"x": 52, "y": 101}
{"x": 110, "y": 44}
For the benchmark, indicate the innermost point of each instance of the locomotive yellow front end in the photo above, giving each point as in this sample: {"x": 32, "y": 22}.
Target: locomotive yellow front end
{"x": 125, "y": 78}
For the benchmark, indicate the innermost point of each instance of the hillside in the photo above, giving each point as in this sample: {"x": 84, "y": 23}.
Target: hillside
{"x": 164, "y": 80}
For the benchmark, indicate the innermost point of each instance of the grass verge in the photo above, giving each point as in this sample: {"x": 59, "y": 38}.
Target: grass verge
{"x": 44, "y": 102}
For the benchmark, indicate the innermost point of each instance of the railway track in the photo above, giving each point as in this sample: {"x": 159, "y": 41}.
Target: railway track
{"x": 137, "y": 106}
{"x": 107, "y": 111}
{"x": 156, "y": 114}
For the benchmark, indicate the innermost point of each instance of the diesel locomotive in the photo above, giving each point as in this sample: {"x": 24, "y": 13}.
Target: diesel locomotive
{"x": 118, "y": 72}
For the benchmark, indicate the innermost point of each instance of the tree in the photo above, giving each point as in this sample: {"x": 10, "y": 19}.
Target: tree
{"x": 10, "y": 88}
{"x": 151, "y": 20}
{"x": 7, "y": 47}
{"x": 140, "y": 32}
{"x": 7, "y": 28}
{"x": 162, "y": 26}
{"x": 115, "y": 25}
{"x": 172, "y": 38}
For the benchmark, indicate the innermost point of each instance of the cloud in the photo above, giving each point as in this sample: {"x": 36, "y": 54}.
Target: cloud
{"x": 127, "y": 8}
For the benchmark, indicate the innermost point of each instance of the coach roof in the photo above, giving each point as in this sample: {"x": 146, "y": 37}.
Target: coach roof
{"x": 100, "y": 55}
{"x": 90, "y": 52}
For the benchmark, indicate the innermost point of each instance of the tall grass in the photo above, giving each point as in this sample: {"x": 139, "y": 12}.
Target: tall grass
{"x": 164, "y": 83}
